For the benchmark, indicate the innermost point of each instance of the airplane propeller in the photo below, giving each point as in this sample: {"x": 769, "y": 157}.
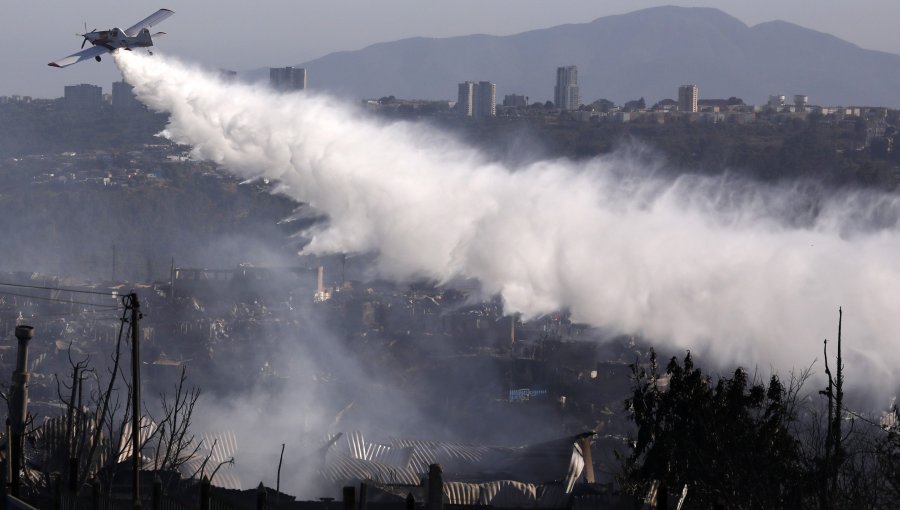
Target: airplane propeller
{"x": 85, "y": 35}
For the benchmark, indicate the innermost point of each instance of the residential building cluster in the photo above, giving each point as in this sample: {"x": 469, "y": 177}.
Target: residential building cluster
{"x": 478, "y": 99}
{"x": 149, "y": 166}
{"x": 87, "y": 98}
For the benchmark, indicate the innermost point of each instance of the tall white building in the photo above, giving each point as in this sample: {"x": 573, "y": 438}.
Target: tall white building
{"x": 287, "y": 78}
{"x": 477, "y": 99}
{"x": 565, "y": 94}
{"x": 485, "y": 104}
{"x": 465, "y": 98}
{"x": 687, "y": 98}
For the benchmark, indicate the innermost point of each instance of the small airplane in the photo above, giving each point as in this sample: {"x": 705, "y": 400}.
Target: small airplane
{"x": 106, "y": 41}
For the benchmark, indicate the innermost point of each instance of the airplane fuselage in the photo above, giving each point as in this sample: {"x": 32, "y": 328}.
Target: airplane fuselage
{"x": 115, "y": 38}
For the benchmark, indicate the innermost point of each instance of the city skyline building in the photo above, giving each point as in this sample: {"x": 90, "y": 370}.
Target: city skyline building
{"x": 465, "y": 98}
{"x": 287, "y": 78}
{"x": 83, "y": 97}
{"x": 229, "y": 76}
{"x": 476, "y": 99}
{"x": 688, "y": 95}
{"x": 566, "y": 95}
{"x": 485, "y": 104}
{"x": 515, "y": 100}
{"x": 776, "y": 101}
{"x": 123, "y": 98}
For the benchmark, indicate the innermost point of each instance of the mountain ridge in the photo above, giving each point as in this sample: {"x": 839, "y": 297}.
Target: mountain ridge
{"x": 646, "y": 53}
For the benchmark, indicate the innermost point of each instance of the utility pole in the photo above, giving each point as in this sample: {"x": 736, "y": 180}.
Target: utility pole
{"x": 18, "y": 408}
{"x": 135, "y": 306}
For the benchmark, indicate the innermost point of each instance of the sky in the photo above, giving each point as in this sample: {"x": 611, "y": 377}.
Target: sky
{"x": 262, "y": 33}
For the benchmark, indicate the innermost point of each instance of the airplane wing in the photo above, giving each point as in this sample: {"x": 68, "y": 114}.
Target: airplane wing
{"x": 148, "y": 22}
{"x": 84, "y": 54}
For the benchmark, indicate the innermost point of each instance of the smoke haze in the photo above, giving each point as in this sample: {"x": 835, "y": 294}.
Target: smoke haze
{"x": 739, "y": 272}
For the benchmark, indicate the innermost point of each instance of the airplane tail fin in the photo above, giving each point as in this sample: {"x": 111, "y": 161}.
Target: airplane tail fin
{"x": 144, "y": 39}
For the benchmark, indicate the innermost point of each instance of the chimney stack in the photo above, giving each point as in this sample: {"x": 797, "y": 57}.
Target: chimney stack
{"x": 435, "y": 488}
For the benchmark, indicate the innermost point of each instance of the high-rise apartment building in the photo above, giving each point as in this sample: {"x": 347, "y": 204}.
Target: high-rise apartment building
{"x": 515, "y": 100}
{"x": 465, "y": 98}
{"x": 229, "y": 76}
{"x": 287, "y": 78}
{"x": 123, "y": 98}
{"x": 83, "y": 97}
{"x": 477, "y": 99}
{"x": 485, "y": 104}
{"x": 565, "y": 94}
{"x": 687, "y": 98}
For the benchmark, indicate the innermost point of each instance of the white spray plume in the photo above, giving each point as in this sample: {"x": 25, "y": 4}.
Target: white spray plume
{"x": 688, "y": 262}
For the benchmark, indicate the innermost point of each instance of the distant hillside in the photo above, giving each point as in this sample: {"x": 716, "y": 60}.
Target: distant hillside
{"x": 645, "y": 53}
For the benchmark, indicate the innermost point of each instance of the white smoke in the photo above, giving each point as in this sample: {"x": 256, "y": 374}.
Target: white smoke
{"x": 695, "y": 263}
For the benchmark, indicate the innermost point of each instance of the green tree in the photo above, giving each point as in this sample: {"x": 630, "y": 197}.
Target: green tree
{"x": 635, "y": 104}
{"x": 729, "y": 442}
{"x": 602, "y": 105}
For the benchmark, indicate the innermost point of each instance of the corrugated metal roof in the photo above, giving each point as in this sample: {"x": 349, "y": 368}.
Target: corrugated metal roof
{"x": 539, "y": 475}
{"x": 453, "y": 457}
{"x": 341, "y": 470}
{"x": 218, "y": 447}
{"x": 461, "y": 493}
{"x": 497, "y": 493}
{"x": 508, "y": 494}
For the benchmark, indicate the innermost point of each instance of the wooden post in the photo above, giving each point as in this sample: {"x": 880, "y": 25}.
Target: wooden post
{"x": 57, "y": 492}
{"x": 349, "y": 495}
{"x": 73, "y": 476}
{"x": 135, "y": 400}
{"x": 18, "y": 408}
{"x": 363, "y": 489}
{"x": 204, "y": 493}
{"x": 95, "y": 494}
{"x": 662, "y": 497}
{"x": 156, "y": 502}
{"x": 261, "y": 497}
{"x": 4, "y": 490}
{"x": 278, "y": 477}
{"x": 435, "y": 487}
{"x": 70, "y": 417}
{"x": 588, "y": 458}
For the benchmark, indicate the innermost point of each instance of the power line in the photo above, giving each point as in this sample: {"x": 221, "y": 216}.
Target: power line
{"x": 56, "y": 300}
{"x": 96, "y": 316}
{"x": 107, "y": 294}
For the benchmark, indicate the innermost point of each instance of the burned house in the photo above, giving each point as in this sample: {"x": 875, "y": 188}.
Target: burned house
{"x": 540, "y": 475}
